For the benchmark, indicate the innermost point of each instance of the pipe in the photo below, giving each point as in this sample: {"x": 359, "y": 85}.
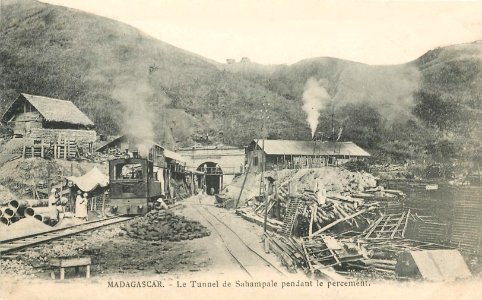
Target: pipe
{"x": 50, "y": 211}
{"x": 29, "y": 212}
{"x": 42, "y": 218}
{"x": 28, "y": 203}
{"x": 5, "y": 221}
{"x": 9, "y": 212}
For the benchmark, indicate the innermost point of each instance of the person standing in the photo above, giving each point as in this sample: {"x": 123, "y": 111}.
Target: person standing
{"x": 53, "y": 198}
{"x": 53, "y": 202}
{"x": 81, "y": 206}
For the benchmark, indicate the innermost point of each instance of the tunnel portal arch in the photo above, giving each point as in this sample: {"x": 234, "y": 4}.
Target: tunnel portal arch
{"x": 212, "y": 178}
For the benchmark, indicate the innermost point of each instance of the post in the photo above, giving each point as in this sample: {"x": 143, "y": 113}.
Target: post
{"x": 71, "y": 204}
{"x": 103, "y": 204}
{"x": 266, "y": 202}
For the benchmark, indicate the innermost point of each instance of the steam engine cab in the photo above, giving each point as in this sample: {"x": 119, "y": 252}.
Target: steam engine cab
{"x": 133, "y": 186}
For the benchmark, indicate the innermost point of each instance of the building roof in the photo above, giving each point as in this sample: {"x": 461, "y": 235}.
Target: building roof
{"x": 290, "y": 147}
{"x": 54, "y": 110}
{"x": 173, "y": 155}
{"x": 167, "y": 153}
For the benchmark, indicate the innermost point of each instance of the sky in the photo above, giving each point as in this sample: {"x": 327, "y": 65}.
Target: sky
{"x": 286, "y": 31}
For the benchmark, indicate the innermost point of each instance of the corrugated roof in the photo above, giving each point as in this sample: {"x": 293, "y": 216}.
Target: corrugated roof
{"x": 56, "y": 110}
{"x": 173, "y": 155}
{"x": 290, "y": 147}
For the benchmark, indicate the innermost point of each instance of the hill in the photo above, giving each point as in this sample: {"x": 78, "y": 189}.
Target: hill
{"x": 409, "y": 110}
{"x": 127, "y": 81}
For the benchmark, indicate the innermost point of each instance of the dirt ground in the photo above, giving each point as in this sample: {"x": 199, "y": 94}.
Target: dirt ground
{"x": 114, "y": 254}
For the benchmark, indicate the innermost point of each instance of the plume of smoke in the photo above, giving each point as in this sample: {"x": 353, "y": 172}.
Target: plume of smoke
{"x": 315, "y": 98}
{"x": 138, "y": 98}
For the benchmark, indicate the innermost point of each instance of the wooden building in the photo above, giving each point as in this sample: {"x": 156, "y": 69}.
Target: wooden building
{"x": 44, "y": 122}
{"x": 289, "y": 154}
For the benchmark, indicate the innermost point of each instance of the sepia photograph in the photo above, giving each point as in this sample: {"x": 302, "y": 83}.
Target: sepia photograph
{"x": 242, "y": 149}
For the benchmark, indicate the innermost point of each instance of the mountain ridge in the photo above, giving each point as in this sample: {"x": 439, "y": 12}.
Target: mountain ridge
{"x": 129, "y": 82}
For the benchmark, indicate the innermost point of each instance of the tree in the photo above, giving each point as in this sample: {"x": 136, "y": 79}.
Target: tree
{"x": 363, "y": 124}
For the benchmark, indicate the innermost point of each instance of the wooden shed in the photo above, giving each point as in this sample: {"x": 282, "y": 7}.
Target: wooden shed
{"x": 291, "y": 154}
{"x": 39, "y": 117}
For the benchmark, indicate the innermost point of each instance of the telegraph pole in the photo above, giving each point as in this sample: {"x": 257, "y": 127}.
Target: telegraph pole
{"x": 262, "y": 184}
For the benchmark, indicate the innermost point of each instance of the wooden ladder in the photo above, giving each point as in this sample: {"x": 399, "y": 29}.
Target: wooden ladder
{"x": 290, "y": 217}
{"x": 388, "y": 227}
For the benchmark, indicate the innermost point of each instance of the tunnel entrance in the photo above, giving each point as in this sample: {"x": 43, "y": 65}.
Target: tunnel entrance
{"x": 212, "y": 178}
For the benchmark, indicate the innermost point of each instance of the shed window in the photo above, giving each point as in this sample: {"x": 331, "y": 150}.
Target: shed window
{"x": 255, "y": 161}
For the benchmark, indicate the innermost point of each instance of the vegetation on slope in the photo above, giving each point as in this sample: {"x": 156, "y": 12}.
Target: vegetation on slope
{"x": 128, "y": 82}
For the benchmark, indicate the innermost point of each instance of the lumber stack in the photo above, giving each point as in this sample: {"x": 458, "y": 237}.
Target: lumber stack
{"x": 287, "y": 250}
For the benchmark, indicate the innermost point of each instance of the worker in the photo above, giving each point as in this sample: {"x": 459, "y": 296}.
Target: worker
{"x": 81, "y": 206}
{"x": 162, "y": 204}
{"x": 54, "y": 202}
{"x": 320, "y": 193}
{"x": 200, "y": 193}
{"x": 160, "y": 178}
{"x": 52, "y": 199}
{"x": 78, "y": 201}
{"x": 211, "y": 191}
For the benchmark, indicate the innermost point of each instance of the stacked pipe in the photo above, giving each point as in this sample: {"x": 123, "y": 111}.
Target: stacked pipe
{"x": 44, "y": 214}
{"x": 14, "y": 210}
{"x": 8, "y": 215}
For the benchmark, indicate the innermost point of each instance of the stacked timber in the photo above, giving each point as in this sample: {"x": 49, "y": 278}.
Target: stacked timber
{"x": 288, "y": 250}
{"x": 249, "y": 215}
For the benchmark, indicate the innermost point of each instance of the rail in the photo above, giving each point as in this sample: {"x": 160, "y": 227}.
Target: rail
{"x": 18, "y": 243}
{"x": 240, "y": 257}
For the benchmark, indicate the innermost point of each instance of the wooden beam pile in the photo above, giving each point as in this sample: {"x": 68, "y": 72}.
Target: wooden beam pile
{"x": 288, "y": 250}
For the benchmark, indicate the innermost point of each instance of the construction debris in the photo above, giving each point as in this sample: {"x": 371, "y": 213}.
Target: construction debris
{"x": 347, "y": 230}
{"x": 159, "y": 225}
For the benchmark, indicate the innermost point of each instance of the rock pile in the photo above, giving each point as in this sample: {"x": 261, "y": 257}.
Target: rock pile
{"x": 160, "y": 225}
{"x": 17, "y": 269}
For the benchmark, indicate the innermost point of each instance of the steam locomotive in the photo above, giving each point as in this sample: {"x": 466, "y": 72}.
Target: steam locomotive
{"x": 133, "y": 186}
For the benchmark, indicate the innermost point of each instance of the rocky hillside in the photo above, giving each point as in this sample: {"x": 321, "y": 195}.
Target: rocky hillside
{"x": 128, "y": 82}
{"x": 429, "y": 106}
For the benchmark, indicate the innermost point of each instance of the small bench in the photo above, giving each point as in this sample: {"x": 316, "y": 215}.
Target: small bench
{"x": 67, "y": 262}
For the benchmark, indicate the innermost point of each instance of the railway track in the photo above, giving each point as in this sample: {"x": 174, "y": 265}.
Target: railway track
{"x": 18, "y": 243}
{"x": 250, "y": 261}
